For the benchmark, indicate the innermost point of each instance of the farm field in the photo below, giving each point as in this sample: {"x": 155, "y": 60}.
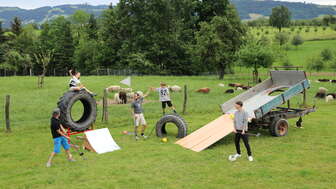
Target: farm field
{"x": 303, "y": 159}
{"x": 308, "y": 33}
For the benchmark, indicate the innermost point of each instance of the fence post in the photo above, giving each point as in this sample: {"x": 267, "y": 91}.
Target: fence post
{"x": 7, "y": 105}
{"x": 185, "y": 99}
{"x": 105, "y": 107}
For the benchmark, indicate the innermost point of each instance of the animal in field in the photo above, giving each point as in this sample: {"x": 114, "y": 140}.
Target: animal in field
{"x": 204, "y": 90}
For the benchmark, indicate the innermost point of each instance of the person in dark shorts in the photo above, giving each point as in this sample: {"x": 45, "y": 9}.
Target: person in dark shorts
{"x": 165, "y": 98}
{"x": 240, "y": 128}
{"x": 59, "y": 137}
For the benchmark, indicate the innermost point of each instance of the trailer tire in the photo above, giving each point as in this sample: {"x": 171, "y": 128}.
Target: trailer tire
{"x": 89, "y": 115}
{"x": 279, "y": 128}
{"x": 176, "y": 120}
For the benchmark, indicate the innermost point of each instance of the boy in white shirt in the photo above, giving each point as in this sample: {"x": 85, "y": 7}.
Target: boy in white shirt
{"x": 165, "y": 98}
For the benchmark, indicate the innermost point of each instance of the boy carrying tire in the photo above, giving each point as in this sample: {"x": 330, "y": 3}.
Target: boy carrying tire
{"x": 59, "y": 137}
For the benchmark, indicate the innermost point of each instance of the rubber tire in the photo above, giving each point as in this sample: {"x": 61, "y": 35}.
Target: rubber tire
{"x": 275, "y": 125}
{"x": 175, "y": 119}
{"x": 89, "y": 116}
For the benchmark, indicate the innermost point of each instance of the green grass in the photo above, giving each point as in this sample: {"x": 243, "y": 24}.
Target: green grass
{"x": 310, "y": 35}
{"x": 303, "y": 159}
{"x": 300, "y": 56}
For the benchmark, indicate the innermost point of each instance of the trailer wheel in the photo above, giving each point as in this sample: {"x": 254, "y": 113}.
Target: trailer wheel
{"x": 279, "y": 128}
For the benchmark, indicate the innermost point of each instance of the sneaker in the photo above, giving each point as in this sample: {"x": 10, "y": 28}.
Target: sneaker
{"x": 250, "y": 158}
{"x": 234, "y": 157}
{"x": 93, "y": 94}
{"x": 71, "y": 160}
{"x": 136, "y": 138}
{"x": 144, "y": 136}
{"x": 237, "y": 156}
{"x": 48, "y": 164}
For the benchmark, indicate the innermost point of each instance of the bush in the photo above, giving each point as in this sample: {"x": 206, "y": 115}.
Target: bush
{"x": 307, "y": 30}
{"x": 315, "y": 64}
{"x": 324, "y": 28}
{"x": 266, "y": 32}
{"x": 327, "y": 54}
{"x": 282, "y": 38}
{"x": 316, "y": 29}
{"x": 297, "y": 40}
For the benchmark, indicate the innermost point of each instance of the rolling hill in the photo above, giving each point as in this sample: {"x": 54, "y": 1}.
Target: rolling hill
{"x": 248, "y": 9}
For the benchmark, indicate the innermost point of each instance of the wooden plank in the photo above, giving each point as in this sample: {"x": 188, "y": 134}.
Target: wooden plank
{"x": 209, "y": 134}
{"x": 200, "y": 132}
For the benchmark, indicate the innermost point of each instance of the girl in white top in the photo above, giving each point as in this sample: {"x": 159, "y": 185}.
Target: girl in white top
{"x": 75, "y": 84}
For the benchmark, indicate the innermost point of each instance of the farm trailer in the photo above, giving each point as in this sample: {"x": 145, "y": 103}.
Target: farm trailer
{"x": 262, "y": 104}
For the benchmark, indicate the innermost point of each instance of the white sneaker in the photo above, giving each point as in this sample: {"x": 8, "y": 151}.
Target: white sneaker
{"x": 250, "y": 158}
{"x": 144, "y": 136}
{"x": 48, "y": 164}
{"x": 234, "y": 157}
{"x": 136, "y": 138}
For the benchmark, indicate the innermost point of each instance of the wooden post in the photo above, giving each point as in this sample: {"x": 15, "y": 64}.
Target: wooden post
{"x": 7, "y": 105}
{"x": 185, "y": 100}
{"x": 304, "y": 98}
{"x": 105, "y": 107}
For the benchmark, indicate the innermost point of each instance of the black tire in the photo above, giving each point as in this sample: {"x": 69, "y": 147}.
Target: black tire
{"x": 279, "y": 128}
{"x": 171, "y": 118}
{"x": 90, "y": 110}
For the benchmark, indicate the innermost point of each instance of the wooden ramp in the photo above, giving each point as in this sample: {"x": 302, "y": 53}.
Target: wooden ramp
{"x": 208, "y": 135}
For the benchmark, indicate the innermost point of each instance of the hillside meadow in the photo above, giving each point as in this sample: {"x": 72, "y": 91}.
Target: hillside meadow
{"x": 303, "y": 159}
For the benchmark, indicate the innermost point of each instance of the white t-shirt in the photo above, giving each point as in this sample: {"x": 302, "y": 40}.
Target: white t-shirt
{"x": 74, "y": 82}
{"x": 163, "y": 93}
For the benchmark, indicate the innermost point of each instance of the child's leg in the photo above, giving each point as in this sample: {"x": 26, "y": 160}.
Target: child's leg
{"x": 163, "y": 108}
{"x": 66, "y": 147}
{"x": 170, "y": 105}
{"x": 52, "y": 155}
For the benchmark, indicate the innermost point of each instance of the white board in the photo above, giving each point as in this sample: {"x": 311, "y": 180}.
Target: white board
{"x": 101, "y": 141}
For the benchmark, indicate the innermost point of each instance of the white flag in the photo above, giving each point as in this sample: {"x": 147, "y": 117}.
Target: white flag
{"x": 126, "y": 81}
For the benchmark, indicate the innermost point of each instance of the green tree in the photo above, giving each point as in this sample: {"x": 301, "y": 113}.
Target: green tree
{"x": 315, "y": 64}
{"x": 92, "y": 28}
{"x": 333, "y": 65}
{"x": 59, "y": 40}
{"x": 2, "y": 36}
{"x": 255, "y": 55}
{"x": 280, "y": 17}
{"x": 16, "y": 26}
{"x": 297, "y": 41}
{"x": 282, "y": 38}
{"x": 327, "y": 54}
{"x": 86, "y": 56}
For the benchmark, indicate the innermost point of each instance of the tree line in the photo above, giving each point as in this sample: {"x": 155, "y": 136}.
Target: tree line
{"x": 175, "y": 37}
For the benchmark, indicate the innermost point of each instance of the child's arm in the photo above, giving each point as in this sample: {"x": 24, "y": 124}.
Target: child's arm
{"x": 61, "y": 133}
{"x": 70, "y": 73}
{"x": 145, "y": 95}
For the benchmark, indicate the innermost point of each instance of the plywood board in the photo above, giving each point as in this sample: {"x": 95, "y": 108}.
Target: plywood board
{"x": 208, "y": 135}
{"x": 101, "y": 141}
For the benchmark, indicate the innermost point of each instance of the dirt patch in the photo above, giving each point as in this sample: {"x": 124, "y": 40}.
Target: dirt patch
{"x": 111, "y": 102}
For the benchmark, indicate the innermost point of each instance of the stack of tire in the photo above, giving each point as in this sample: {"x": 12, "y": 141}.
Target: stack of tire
{"x": 89, "y": 115}
{"x": 176, "y": 120}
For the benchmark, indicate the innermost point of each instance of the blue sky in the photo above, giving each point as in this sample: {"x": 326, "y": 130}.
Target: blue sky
{"x": 30, "y": 4}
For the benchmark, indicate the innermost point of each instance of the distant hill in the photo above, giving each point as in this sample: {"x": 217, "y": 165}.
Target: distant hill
{"x": 43, "y": 14}
{"x": 248, "y": 9}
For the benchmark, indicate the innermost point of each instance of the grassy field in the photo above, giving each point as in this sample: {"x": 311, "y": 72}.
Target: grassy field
{"x": 308, "y": 33}
{"x": 303, "y": 159}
